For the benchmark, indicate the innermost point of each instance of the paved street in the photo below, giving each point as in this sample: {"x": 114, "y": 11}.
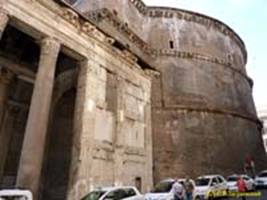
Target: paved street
{"x": 263, "y": 196}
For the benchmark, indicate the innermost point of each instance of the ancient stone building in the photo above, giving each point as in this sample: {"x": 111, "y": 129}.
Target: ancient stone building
{"x": 110, "y": 92}
{"x": 75, "y": 105}
{"x": 203, "y": 114}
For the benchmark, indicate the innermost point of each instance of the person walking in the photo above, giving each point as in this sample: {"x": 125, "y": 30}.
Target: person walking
{"x": 177, "y": 191}
{"x": 241, "y": 186}
{"x": 189, "y": 189}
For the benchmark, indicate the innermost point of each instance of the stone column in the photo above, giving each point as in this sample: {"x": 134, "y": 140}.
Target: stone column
{"x": 3, "y": 20}
{"x": 34, "y": 140}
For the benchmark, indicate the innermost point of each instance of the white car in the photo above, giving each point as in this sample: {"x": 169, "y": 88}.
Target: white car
{"x": 114, "y": 193}
{"x": 210, "y": 186}
{"x": 162, "y": 191}
{"x": 15, "y": 194}
{"x": 232, "y": 182}
{"x": 261, "y": 180}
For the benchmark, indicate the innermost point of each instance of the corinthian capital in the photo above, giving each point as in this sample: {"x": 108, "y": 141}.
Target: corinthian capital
{"x": 50, "y": 46}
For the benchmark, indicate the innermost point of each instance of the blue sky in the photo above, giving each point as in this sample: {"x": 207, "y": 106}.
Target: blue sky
{"x": 249, "y": 19}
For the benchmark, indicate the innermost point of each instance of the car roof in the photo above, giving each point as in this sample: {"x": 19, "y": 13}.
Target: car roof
{"x": 237, "y": 175}
{"x": 109, "y": 188}
{"x": 15, "y": 192}
{"x": 168, "y": 180}
{"x": 210, "y": 176}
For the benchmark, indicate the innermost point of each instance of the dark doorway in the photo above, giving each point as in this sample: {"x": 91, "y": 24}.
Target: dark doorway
{"x": 57, "y": 162}
{"x": 12, "y": 129}
{"x": 19, "y": 55}
{"x": 138, "y": 183}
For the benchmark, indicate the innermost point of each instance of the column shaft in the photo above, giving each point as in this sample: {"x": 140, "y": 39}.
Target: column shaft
{"x": 34, "y": 140}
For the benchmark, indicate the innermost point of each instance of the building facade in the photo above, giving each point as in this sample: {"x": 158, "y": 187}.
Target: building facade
{"x": 113, "y": 92}
{"x": 75, "y": 109}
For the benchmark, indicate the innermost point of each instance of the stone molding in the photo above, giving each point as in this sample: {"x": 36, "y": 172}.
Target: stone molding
{"x": 221, "y": 111}
{"x": 104, "y": 14}
{"x": 209, "y": 22}
{"x": 197, "y": 56}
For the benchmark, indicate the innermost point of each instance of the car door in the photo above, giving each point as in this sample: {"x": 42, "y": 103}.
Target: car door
{"x": 214, "y": 185}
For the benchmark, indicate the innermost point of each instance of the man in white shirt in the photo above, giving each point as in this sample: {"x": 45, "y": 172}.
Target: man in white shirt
{"x": 177, "y": 191}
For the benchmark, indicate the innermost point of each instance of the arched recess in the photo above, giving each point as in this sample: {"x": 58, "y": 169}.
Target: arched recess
{"x": 58, "y": 155}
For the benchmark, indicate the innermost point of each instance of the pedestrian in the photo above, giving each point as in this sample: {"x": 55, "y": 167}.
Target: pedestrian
{"x": 249, "y": 166}
{"x": 241, "y": 186}
{"x": 177, "y": 191}
{"x": 189, "y": 189}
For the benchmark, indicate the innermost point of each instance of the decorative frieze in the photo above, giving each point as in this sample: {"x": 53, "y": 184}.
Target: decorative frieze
{"x": 71, "y": 16}
{"x": 122, "y": 27}
{"x": 141, "y": 7}
{"x": 129, "y": 56}
{"x": 91, "y": 30}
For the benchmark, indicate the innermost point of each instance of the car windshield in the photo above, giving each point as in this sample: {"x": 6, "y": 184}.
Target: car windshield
{"x": 163, "y": 187}
{"x": 263, "y": 174}
{"x": 94, "y": 195}
{"x": 232, "y": 178}
{"x": 202, "y": 181}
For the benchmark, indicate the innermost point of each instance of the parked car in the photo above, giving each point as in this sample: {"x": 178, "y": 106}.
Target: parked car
{"x": 114, "y": 193}
{"x": 162, "y": 191}
{"x": 232, "y": 182}
{"x": 15, "y": 194}
{"x": 210, "y": 187}
{"x": 261, "y": 179}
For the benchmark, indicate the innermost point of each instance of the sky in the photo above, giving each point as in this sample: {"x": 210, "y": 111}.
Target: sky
{"x": 249, "y": 19}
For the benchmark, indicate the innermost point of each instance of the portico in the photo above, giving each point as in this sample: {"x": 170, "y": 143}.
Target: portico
{"x": 68, "y": 100}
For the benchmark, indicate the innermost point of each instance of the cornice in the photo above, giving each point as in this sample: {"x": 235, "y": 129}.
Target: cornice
{"x": 201, "y": 57}
{"x": 105, "y": 14}
{"x": 219, "y": 111}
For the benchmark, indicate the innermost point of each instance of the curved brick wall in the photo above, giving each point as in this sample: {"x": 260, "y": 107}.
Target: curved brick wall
{"x": 204, "y": 118}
